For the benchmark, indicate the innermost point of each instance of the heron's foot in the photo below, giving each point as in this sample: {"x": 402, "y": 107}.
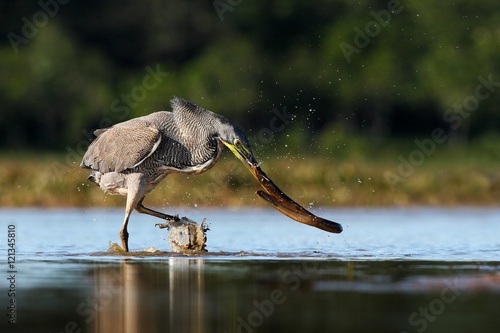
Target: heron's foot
{"x": 166, "y": 225}
{"x": 170, "y": 220}
{"x": 173, "y": 218}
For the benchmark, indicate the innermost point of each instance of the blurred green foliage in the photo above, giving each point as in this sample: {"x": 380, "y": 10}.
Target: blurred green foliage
{"x": 415, "y": 63}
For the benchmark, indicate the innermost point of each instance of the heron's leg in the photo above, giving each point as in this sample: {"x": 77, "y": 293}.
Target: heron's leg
{"x": 144, "y": 210}
{"x": 123, "y": 230}
{"x": 133, "y": 197}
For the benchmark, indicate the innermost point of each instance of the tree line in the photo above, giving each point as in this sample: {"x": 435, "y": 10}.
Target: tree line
{"x": 380, "y": 69}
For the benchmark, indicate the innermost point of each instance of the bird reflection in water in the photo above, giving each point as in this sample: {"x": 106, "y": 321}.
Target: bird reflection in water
{"x": 133, "y": 297}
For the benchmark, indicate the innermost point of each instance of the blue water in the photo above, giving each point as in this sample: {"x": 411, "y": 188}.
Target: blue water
{"x": 448, "y": 234}
{"x": 391, "y": 270}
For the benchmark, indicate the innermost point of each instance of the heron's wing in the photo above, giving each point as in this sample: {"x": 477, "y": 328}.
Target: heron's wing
{"x": 121, "y": 147}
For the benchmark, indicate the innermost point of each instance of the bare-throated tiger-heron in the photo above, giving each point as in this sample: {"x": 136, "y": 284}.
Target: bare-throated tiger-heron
{"x": 132, "y": 157}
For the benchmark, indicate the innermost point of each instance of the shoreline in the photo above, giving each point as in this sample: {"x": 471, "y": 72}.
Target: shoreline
{"x": 32, "y": 181}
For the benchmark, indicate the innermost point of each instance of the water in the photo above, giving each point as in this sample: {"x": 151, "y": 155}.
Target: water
{"x": 391, "y": 270}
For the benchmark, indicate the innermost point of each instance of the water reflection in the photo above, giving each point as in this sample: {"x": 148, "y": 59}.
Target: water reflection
{"x": 198, "y": 295}
{"x": 203, "y": 294}
{"x": 186, "y": 294}
{"x": 133, "y": 297}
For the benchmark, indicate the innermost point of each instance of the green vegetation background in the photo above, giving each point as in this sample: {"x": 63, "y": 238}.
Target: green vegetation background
{"x": 363, "y": 84}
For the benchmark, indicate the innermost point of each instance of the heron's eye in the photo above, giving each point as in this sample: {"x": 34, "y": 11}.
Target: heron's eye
{"x": 237, "y": 142}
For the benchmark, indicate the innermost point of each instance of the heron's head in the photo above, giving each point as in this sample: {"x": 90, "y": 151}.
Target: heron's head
{"x": 233, "y": 138}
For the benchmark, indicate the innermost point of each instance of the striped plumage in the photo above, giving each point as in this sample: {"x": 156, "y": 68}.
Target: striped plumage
{"x": 131, "y": 158}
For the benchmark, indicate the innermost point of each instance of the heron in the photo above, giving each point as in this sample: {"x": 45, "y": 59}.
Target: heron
{"x": 132, "y": 157}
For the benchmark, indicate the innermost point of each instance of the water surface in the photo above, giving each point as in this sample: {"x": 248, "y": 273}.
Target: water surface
{"x": 391, "y": 270}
